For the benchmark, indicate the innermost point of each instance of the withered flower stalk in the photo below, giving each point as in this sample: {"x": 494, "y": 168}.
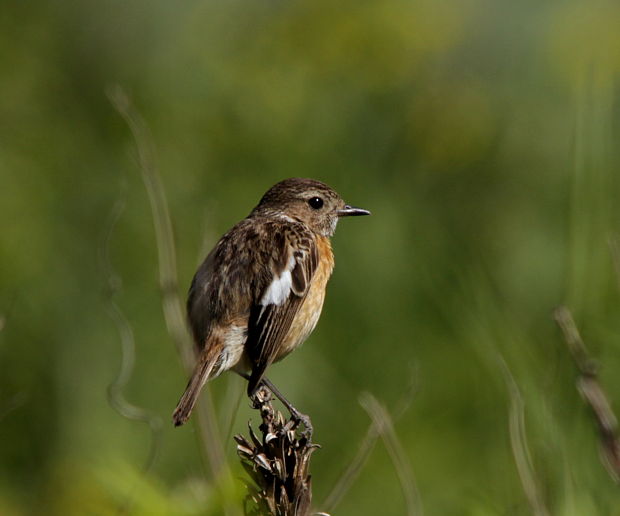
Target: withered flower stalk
{"x": 277, "y": 462}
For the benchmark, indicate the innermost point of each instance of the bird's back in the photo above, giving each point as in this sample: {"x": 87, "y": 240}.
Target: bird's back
{"x": 237, "y": 272}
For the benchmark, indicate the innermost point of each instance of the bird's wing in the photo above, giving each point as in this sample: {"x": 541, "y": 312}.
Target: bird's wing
{"x": 271, "y": 316}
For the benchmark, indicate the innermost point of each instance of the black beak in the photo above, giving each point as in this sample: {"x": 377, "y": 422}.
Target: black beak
{"x": 351, "y": 211}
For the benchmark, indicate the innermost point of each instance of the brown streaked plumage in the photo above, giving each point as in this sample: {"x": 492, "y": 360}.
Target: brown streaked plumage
{"x": 260, "y": 291}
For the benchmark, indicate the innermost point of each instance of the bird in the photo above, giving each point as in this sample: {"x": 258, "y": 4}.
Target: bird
{"x": 259, "y": 293}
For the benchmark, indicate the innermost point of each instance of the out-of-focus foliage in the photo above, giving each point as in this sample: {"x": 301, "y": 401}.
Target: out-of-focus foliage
{"x": 482, "y": 135}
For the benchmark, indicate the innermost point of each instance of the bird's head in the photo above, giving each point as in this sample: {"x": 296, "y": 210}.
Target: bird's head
{"x": 309, "y": 201}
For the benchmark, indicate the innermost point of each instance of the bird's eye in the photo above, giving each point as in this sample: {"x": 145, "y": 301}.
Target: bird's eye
{"x": 316, "y": 203}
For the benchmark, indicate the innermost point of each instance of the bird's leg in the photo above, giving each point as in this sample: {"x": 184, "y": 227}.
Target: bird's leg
{"x": 295, "y": 414}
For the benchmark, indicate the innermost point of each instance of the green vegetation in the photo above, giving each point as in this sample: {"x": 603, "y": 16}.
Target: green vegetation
{"x": 483, "y": 137}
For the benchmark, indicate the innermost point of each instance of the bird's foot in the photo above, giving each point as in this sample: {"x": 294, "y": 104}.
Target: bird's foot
{"x": 264, "y": 394}
{"x": 304, "y": 419}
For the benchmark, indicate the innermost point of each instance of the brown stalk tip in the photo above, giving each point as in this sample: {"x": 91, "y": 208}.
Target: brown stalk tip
{"x": 278, "y": 462}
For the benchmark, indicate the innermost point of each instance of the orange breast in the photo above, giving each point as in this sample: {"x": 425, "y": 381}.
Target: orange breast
{"x": 310, "y": 311}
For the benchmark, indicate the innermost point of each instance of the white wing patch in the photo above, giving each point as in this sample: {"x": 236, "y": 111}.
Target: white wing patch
{"x": 280, "y": 288}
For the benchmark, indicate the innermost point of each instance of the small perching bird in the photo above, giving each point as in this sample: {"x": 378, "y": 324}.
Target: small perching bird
{"x": 259, "y": 293}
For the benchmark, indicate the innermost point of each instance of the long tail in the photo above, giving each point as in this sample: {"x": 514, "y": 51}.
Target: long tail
{"x": 199, "y": 377}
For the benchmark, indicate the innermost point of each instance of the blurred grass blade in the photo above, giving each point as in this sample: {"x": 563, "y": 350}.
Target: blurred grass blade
{"x": 171, "y": 300}
{"x": 172, "y": 306}
{"x": 592, "y": 393}
{"x": 520, "y": 449}
{"x": 614, "y": 247}
{"x": 383, "y": 423}
{"x": 115, "y": 389}
{"x": 363, "y": 452}
{"x": 348, "y": 477}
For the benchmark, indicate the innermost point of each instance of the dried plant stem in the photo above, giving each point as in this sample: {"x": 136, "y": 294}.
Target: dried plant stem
{"x": 278, "y": 463}
{"x": 593, "y": 394}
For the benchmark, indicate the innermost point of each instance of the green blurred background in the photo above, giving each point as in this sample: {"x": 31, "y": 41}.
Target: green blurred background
{"x": 482, "y": 135}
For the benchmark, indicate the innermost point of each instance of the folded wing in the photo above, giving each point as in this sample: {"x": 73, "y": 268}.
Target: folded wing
{"x": 272, "y": 316}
